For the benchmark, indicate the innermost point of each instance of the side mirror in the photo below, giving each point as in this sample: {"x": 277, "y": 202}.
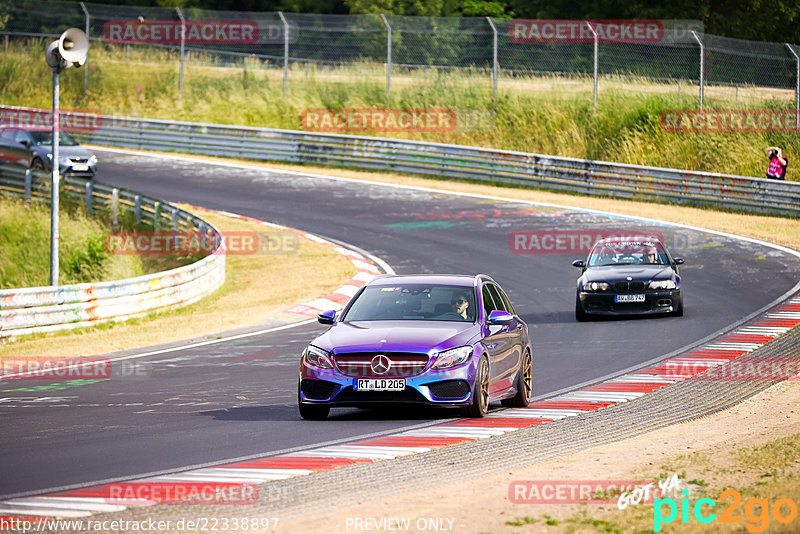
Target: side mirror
{"x": 579, "y": 263}
{"x": 499, "y": 317}
{"x": 26, "y": 143}
{"x": 679, "y": 261}
{"x": 326, "y": 317}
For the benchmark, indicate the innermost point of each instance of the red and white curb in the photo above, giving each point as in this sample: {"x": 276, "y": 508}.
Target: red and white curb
{"x": 83, "y": 502}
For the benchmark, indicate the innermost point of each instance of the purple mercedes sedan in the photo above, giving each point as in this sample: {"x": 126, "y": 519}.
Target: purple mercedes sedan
{"x": 438, "y": 340}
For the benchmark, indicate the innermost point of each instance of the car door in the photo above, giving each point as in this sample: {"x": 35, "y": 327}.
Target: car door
{"x": 20, "y": 151}
{"x": 10, "y": 149}
{"x": 496, "y": 341}
{"x": 511, "y": 341}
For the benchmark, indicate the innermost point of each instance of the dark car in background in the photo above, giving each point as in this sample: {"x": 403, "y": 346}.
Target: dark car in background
{"x": 435, "y": 340}
{"x": 624, "y": 277}
{"x": 34, "y": 149}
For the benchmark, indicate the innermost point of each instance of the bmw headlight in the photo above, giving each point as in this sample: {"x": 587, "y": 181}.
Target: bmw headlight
{"x": 93, "y": 160}
{"x": 452, "y": 358}
{"x": 662, "y": 284}
{"x": 64, "y": 160}
{"x": 49, "y": 156}
{"x": 316, "y": 357}
{"x": 596, "y": 286}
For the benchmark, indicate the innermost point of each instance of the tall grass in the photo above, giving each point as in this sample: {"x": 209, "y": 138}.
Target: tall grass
{"x": 25, "y": 248}
{"x": 532, "y": 114}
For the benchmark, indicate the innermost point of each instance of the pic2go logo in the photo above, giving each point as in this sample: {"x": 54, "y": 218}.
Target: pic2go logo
{"x": 756, "y": 511}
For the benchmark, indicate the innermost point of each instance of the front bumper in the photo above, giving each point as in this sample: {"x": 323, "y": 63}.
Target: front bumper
{"x": 655, "y": 302}
{"x": 449, "y": 387}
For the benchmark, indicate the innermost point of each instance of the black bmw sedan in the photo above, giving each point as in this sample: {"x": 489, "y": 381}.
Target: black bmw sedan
{"x": 623, "y": 277}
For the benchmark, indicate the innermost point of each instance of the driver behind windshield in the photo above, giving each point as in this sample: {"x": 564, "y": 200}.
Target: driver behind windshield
{"x": 459, "y": 304}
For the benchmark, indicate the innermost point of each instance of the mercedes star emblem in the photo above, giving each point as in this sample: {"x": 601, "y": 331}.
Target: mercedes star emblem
{"x": 380, "y": 364}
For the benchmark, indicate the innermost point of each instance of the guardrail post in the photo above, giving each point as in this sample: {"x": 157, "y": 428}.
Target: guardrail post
{"x": 6, "y": 40}
{"x": 388, "y": 54}
{"x": 115, "y": 207}
{"x": 183, "y": 41}
{"x": 494, "y": 60}
{"x": 796, "y": 88}
{"x": 157, "y": 217}
{"x": 175, "y": 220}
{"x": 702, "y": 67}
{"x": 595, "y": 63}
{"x": 89, "y": 193}
{"x": 285, "y": 51}
{"x": 137, "y": 210}
{"x": 28, "y": 184}
{"x": 86, "y": 65}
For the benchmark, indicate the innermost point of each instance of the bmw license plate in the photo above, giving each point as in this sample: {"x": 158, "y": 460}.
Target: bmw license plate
{"x": 629, "y": 298}
{"x": 80, "y": 167}
{"x": 379, "y": 384}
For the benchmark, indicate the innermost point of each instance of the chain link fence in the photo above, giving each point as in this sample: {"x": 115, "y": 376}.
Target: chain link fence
{"x": 499, "y": 52}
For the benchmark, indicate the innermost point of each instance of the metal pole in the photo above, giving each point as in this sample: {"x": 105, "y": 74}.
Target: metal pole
{"x": 388, "y": 55}
{"x": 183, "y": 41}
{"x": 702, "y": 68}
{"x": 494, "y": 61}
{"x": 594, "y": 89}
{"x": 54, "y": 185}
{"x": 86, "y": 65}
{"x": 796, "y": 89}
{"x": 285, "y": 51}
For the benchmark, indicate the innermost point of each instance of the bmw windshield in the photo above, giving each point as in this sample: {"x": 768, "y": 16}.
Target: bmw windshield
{"x": 414, "y": 302}
{"x": 628, "y": 253}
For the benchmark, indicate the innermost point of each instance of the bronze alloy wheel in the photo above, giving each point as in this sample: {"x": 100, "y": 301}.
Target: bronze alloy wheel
{"x": 524, "y": 384}
{"x": 480, "y": 398}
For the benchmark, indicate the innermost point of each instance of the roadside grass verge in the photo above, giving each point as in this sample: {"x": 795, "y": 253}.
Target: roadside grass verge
{"x": 25, "y": 246}
{"x": 532, "y": 114}
{"x": 256, "y": 286}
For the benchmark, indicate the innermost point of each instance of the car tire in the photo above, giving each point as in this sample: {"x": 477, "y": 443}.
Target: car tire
{"x": 524, "y": 384}
{"x": 312, "y": 412}
{"x": 480, "y": 392}
{"x": 37, "y": 164}
{"x": 679, "y": 310}
{"x": 580, "y": 315}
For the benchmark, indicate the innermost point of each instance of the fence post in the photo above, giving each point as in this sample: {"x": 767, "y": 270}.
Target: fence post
{"x": 114, "y": 207}
{"x": 594, "y": 76}
{"x": 86, "y": 65}
{"x": 6, "y": 41}
{"x": 796, "y": 89}
{"x": 89, "y": 191}
{"x": 494, "y": 61}
{"x": 285, "y": 51}
{"x": 183, "y": 41}
{"x": 137, "y": 210}
{"x": 157, "y": 217}
{"x": 388, "y": 54}
{"x": 702, "y": 68}
{"x": 27, "y": 184}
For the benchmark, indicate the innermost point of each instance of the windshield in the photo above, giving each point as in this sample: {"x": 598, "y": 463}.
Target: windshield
{"x": 414, "y": 302}
{"x": 628, "y": 253}
{"x": 46, "y": 138}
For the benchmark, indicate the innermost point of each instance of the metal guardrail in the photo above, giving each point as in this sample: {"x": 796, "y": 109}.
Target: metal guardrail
{"x": 44, "y": 309}
{"x": 588, "y": 177}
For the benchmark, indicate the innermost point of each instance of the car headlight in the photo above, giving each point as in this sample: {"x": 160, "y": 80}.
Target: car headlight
{"x": 596, "y": 286}
{"x": 316, "y": 357}
{"x": 452, "y": 357}
{"x": 93, "y": 160}
{"x": 662, "y": 284}
{"x": 49, "y": 156}
{"x": 64, "y": 161}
